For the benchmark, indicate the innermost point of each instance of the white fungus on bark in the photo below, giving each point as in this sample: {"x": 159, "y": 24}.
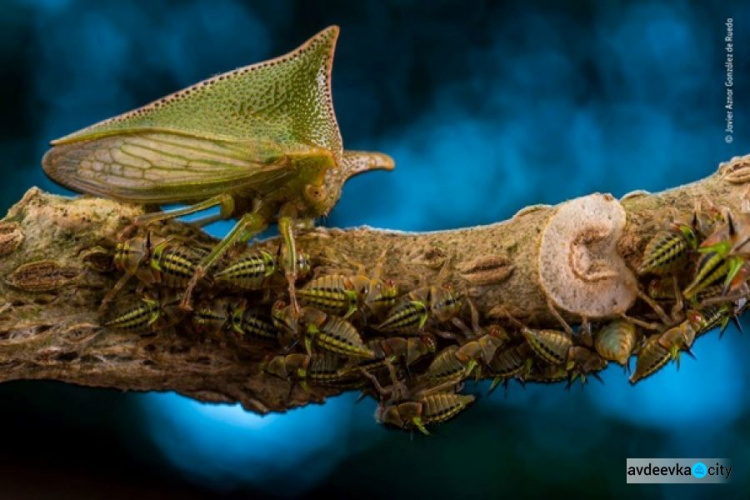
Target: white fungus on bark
{"x": 580, "y": 269}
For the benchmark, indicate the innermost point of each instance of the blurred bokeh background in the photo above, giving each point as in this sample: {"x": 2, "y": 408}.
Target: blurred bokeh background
{"x": 486, "y": 107}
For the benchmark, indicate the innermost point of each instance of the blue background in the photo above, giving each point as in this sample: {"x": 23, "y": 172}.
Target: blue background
{"x": 486, "y": 108}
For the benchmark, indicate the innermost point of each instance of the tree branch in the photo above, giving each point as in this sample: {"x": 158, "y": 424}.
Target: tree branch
{"x": 576, "y": 256}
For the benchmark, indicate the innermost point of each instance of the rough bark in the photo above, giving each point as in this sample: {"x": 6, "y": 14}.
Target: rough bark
{"x": 578, "y": 256}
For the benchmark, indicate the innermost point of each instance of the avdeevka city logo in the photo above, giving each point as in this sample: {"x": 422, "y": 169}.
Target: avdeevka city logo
{"x": 699, "y": 470}
{"x": 678, "y": 470}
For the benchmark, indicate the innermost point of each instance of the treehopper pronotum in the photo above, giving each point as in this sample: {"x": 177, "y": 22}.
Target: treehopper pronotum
{"x": 260, "y": 142}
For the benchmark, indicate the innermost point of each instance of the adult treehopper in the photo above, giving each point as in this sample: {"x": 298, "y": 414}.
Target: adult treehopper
{"x": 261, "y": 142}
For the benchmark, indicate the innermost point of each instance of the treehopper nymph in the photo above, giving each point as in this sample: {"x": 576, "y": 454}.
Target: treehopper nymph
{"x": 260, "y": 142}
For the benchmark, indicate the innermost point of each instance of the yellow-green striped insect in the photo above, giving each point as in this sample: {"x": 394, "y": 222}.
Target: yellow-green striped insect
{"x": 389, "y": 350}
{"x": 583, "y": 361}
{"x": 616, "y": 341}
{"x": 513, "y": 361}
{"x": 324, "y": 369}
{"x": 716, "y": 315}
{"x": 131, "y": 257}
{"x": 425, "y": 411}
{"x": 659, "y": 349}
{"x": 447, "y": 366}
{"x": 711, "y": 268}
{"x": 681, "y": 337}
{"x": 249, "y": 272}
{"x": 261, "y": 142}
{"x": 558, "y": 348}
{"x": 409, "y": 349}
{"x": 249, "y": 322}
{"x": 138, "y": 317}
{"x": 408, "y": 316}
{"x": 345, "y": 294}
{"x": 731, "y": 241}
{"x": 217, "y": 316}
{"x": 651, "y": 358}
{"x": 483, "y": 348}
{"x": 147, "y": 313}
{"x": 174, "y": 264}
{"x": 288, "y": 367}
{"x": 410, "y": 313}
{"x": 213, "y": 317}
{"x": 551, "y": 346}
{"x": 327, "y": 332}
{"x": 253, "y": 271}
{"x": 459, "y": 362}
{"x": 335, "y": 294}
{"x": 152, "y": 259}
{"x": 667, "y": 250}
{"x": 333, "y": 334}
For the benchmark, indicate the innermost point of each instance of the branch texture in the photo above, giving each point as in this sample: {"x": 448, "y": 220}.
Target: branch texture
{"x": 577, "y": 257}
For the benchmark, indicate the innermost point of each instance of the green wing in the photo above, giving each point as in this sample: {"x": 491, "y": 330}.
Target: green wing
{"x": 158, "y": 167}
{"x": 236, "y": 129}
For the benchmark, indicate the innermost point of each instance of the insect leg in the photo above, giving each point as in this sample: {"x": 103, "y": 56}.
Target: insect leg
{"x": 553, "y": 309}
{"x": 114, "y": 291}
{"x": 643, "y": 324}
{"x": 656, "y": 307}
{"x": 398, "y": 387}
{"x": 209, "y": 219}
{"x": 225, "y": 201}
{"x": 679, "y": 303}
{"x": 585, "y": 333}
{"x": 382, "y": 391}
{"x": 290, "y": 258}
{"x": 248, "y": 223}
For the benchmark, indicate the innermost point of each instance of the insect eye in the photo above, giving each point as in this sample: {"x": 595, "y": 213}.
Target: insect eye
{"x": 696, "y": 318}
{"x": 315, "y": 193}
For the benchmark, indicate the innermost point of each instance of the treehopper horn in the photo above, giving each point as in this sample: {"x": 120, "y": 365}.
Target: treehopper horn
{"x": 261, "y": 142}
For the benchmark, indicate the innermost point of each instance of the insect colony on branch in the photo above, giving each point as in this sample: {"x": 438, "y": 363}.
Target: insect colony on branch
{"x": 404, "y": 342}
{"x": 262, "y": 143}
